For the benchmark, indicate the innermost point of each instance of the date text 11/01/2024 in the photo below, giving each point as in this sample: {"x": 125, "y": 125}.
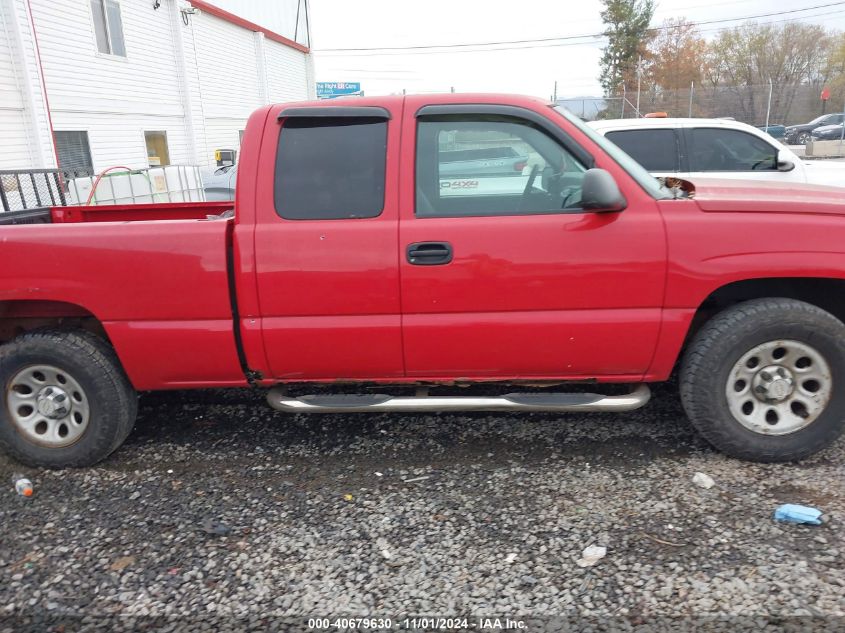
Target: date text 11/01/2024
{"x": 417, "y": 623}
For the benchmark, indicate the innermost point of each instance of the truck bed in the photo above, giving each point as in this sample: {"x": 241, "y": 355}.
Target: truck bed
{"x": 118, "y": 213}
{"x": 154, "y": 275}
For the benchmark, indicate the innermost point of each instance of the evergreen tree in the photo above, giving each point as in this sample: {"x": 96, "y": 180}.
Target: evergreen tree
{"x": 627, "y": 30}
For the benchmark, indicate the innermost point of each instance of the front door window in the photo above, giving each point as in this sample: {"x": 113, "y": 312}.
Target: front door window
{"x": 477, "y": 167}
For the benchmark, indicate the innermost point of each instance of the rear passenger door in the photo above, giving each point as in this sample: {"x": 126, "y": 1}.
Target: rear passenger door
{"x": 659, "y": 150}
{"x": 326, "y": 243}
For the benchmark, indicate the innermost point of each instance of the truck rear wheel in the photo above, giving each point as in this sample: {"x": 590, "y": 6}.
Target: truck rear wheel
{"x": 758, "y": 380}
{"x": 66, "y": 400}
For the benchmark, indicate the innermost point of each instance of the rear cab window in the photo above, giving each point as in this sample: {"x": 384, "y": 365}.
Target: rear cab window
{"x": 655, "y": 149}
{"x": 330, "y": 168}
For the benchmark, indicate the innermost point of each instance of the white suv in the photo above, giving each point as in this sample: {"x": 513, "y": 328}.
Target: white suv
{"x": 690, "y": 148}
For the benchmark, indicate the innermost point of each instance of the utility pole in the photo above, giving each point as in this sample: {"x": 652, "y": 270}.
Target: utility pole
{"x": 639, "y": 78}
{"x": 691, "y": 91}
{"x": 842, "y": 133}
{"x": 769, "y": 106}
{"x": 624, "y": 99}
{"x": 554, "y": 96}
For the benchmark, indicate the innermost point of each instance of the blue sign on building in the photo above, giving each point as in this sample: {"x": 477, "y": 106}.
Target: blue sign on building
{"x": 333, "y": 89}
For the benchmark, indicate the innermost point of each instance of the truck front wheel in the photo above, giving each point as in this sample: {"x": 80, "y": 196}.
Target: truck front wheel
{"x": 66, "y": 400}
{"x": 758, "y": 379}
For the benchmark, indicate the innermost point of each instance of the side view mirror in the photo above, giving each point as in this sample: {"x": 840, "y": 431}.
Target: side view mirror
{"x": 784, "y": 164}
{"x": 599, "y": 192}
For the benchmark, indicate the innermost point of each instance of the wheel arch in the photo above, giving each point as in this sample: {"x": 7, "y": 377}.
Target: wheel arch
{"x": 20, "y": 316}
{"x": 823, "y": 292}
{"x": 826, "y": 293}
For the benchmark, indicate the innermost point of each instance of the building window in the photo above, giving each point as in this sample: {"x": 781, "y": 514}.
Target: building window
{"x": 74, "y": 152}
{"x": 108, "y": 27}
{"x": 157, "y": 153}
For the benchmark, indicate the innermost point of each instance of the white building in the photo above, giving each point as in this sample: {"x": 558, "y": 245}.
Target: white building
{"x": 138, "y": 83}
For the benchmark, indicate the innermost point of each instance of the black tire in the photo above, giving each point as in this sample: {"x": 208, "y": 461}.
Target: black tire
{"x": 803, "y": 138}
{"x": 92, "y": 363}
{"x": 723, "y": 341}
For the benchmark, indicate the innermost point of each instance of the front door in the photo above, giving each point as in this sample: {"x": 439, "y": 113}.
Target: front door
{"x": 503, "y": 275}
{"x": 718, "y": 152}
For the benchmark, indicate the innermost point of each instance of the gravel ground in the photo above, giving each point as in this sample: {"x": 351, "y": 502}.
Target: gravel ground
{"x": 394, "y": 515}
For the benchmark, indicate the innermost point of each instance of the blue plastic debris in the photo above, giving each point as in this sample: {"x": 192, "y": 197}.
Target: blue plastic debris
{"x": 792, "y": 513}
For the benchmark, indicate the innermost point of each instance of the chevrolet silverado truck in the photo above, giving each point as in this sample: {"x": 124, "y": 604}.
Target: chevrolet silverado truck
{"x": 356, "y": 272}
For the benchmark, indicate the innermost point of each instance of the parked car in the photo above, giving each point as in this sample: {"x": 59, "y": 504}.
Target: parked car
{"x": 347, "y": 264}
{"x": 501, "y": 160}
{"x": 827, "y": 133}
{"x": 775, "y": 131}
{"x": 220, "y": 184}
{"x": 800, "y": 134}
{"x": 691, "y": 148}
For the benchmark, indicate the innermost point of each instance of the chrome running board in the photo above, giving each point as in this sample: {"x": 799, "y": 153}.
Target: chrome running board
{"x": 559, "y": 402}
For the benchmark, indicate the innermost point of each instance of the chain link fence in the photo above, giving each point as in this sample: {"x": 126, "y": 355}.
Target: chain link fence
{"x": 754, "y": 104}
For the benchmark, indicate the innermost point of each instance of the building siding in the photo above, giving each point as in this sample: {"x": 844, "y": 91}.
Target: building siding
{"x": 287, "y": 75}
{"x": 13, "y": 114}
{"x": 24, "y": 122}
{"x": 198, "y": 82}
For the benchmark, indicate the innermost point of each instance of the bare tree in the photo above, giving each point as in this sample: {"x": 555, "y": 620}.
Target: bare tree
{"x": 748, "y": 57}
{"x": 674, "y": 62}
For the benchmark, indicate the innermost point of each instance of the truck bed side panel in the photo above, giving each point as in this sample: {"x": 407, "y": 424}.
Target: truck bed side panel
{"x": 177, "y": 354}
{"x": 159, "y": 288}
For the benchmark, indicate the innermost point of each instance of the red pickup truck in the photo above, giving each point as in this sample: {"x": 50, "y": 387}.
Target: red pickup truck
{"x": 398, "y": 249}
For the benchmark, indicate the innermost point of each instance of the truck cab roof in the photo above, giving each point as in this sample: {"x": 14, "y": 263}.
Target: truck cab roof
{"x": 676, "y": 122}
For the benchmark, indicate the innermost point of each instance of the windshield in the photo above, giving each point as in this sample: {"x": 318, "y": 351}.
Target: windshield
{"x": 648, "y": 182}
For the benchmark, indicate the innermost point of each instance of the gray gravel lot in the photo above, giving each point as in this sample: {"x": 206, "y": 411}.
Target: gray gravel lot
{"x": 322, "y": 521}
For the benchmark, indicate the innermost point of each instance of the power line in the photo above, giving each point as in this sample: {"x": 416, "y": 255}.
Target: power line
{"x": 815, "y": 15}
{"x": 546, "y": 40}
{"x": 593, "y": 42}
{"x": 437, "y": 46}
{"x": 710, "y": 5}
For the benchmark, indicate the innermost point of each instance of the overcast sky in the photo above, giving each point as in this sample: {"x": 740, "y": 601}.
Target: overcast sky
{"x": 397, "y": 23}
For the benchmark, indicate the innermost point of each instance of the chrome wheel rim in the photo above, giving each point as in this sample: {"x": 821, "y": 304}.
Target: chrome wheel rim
{"x": 779, "y": 387}
{"x": 47, "y": 406}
